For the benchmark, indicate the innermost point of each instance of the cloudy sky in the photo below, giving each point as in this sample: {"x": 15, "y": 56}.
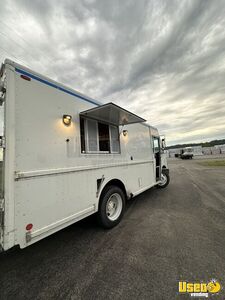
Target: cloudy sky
{"x": 164, "y": 60}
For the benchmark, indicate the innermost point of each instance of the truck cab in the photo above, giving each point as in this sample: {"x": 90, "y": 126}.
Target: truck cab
{"x": 160, "y": 158}
{"x": 165, "y": 178}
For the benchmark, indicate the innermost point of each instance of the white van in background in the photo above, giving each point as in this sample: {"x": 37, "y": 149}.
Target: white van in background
{"x": 186, "y": 153}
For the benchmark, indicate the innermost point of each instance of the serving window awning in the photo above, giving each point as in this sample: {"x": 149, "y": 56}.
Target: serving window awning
{"x": 113, "y": 114}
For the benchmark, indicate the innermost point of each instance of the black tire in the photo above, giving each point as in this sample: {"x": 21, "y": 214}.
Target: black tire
{"x": 104, "y": 218}
{"x": 162, "y": 186}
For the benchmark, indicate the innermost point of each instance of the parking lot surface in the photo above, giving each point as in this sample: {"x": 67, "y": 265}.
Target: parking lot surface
{"x": 166, "y": 235}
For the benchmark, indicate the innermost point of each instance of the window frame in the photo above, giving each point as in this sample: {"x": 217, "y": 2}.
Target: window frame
{"x": 154, "y": 138}
{"x": 110, "y": 136}
{"x": 86, "y": 134}
{"x": 86, "y": 137}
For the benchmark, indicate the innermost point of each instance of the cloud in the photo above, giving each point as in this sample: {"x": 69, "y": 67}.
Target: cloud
{"x": 164, "y": 60}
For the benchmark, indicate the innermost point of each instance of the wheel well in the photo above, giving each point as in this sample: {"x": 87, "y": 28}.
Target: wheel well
{"x": 163, "y": 167}
{"x": 115, "y": 182}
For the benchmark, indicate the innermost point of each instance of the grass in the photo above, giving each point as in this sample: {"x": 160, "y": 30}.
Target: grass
{"x": 213, "y": 163}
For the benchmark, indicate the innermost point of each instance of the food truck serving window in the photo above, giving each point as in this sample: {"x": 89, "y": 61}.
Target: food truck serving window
{"x": 98, "y": 137}
{"x": 100, "y": 127}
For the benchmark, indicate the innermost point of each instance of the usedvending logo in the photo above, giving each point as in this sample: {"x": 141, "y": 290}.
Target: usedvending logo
{"x": 199, "y": 289}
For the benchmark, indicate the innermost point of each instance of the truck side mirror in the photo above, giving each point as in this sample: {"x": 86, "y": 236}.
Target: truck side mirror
{"x": 163, "y": 144}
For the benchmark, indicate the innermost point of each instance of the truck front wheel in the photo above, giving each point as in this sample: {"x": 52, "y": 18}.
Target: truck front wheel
{"x": 165, "y": 179}
{"x": 111, "y": 207}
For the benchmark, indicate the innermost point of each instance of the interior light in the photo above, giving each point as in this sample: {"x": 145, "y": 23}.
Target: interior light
{"x": 67, "y": 119}
{"x": 125, "y": 132}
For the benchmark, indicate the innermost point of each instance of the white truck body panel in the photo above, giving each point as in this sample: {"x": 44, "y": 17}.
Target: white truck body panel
{"x": 48, "y": 182}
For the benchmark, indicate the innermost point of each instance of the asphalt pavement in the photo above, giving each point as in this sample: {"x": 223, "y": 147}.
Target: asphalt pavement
{"x": 166, "y": 235}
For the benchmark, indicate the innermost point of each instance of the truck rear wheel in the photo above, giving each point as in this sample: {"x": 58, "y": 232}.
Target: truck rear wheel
{"x": 111, "y": 207}
{"x": 165, "y": 179}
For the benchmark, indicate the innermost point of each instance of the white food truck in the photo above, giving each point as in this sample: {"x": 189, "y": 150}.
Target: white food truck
{"x": 65, "y": 156}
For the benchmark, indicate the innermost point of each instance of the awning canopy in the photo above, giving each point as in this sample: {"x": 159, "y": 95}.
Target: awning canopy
{"x": 113, "y": 114}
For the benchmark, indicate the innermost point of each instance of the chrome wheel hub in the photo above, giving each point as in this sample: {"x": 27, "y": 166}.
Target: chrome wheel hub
{"x": 163, "y": 180}
{"x": 114, "y": 206}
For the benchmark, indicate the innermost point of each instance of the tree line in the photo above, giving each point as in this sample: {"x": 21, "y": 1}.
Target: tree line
{"x": 205, "y": 144}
